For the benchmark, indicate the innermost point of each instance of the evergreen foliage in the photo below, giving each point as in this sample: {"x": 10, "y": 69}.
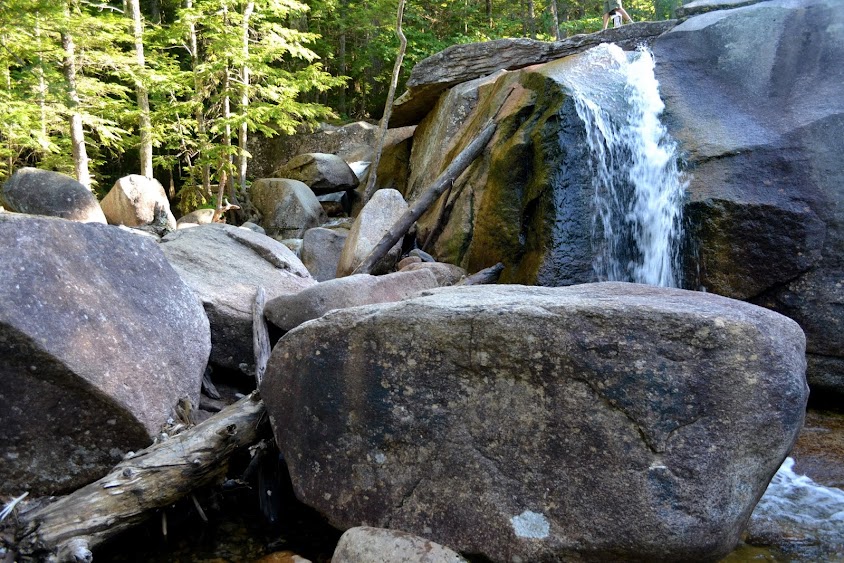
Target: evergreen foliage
{"x": 216, "y": 71}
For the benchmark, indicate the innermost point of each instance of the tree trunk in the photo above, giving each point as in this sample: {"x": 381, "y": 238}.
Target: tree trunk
{"x": 200, "y": 114}
{"x": 155, "y": 11}
{"x": 144, "y": 123}
{"x": 42, "y": 87}
{"x": 77, "y": 134}
{"x": 531, "y": 15}
{"x": 151, "y": 479}
{"x": 555, "y": 20}
{"x": 460, "y": 163}
{"x": 244, "y": 98}
{"x": 388, "y": 107}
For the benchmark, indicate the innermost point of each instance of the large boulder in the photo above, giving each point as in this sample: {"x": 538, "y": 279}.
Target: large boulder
{"x": 288, "y": 207}
{"x": 370, "y": 226}
{"x": 323, "y": 173}
{"x": 289, "y": 311}
{"x": 465, "y": 62}
{"x": 594, "y": 422}
{"x": 132, "y": 201}
{"x": 224, "y": 265}
{"x": 759, "y": 117}
{"x": 44, "y": 192}
{"x": 99, "y": 339}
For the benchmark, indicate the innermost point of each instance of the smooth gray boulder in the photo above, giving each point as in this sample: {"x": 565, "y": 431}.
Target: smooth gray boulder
{"x": 321, "y": 249}
{"x": 99, "y": 339}
{"x": 288, "y": 207}
{"x": 759, "y": 117}
{"x": 132, "y": 200}
{"x": 289, "y": 311}
{"x": 224, "y": 265}
{"x": 595, "y": 422}
{"x": 371, "y": 224}
{"x": 323, "y": 173}
{"x": 366, "y": 544}
{"x": 44, "y": 192}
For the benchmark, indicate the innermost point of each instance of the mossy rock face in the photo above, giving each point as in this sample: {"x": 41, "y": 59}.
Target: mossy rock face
{"x": 525, "y": 202}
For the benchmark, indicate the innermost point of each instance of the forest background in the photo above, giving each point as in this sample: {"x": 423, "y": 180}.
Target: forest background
{"x": 174, "y": 88}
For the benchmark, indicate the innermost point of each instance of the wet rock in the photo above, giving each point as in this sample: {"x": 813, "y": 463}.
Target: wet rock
{"x": 289, "y": 311}
{"x": 759, "y": 118}
{"x": 526, "y": 202}
{"x": 224, "y": 265}
{"x": 44, "y": 192}
{"x": 99, "y": 339}
{"x": 321, "y": 249}
{"x": 288, "y": 207}
{"x": 132, "y": 200}
{"x": 373, "y": 222}
{"x": 365, "y": 545}
{"x": 323, "y": 173}
{"x": 597, "y": 422}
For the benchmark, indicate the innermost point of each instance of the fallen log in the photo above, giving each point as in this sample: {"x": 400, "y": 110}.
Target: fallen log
{"x": 70, "y": 527}
{"x": 460, "y": 163}
{"x": 487, "y": 275}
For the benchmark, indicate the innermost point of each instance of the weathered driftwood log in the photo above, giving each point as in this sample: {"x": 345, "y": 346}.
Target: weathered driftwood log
{"x": 487, "y": 275}
{"x": 69, "y": 528}
{"x": 418, "y": 207}
{"x": 260, "y": 335}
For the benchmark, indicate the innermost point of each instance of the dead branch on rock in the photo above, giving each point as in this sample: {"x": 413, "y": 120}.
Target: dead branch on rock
{"x": 260, "y": 335}
{"x": 69, "y": 528}
{"x": 487, "y": 275}
{"x": 388, "y": 107}
{"x": 460, "y": 163}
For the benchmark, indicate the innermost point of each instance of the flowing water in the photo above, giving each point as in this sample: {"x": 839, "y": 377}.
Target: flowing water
{"x": 638, "y": 188}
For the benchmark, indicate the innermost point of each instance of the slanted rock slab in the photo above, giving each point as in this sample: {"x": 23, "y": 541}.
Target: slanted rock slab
{"x": 595, "y": 422}
{"x": 99, "y": 339}
{"x": 289, "y": 311}
{"x": 224, "y": 265}
{"x": 44, "y": 192}
{"x": 371, "y": 224}
{"x": 321, "y": 249}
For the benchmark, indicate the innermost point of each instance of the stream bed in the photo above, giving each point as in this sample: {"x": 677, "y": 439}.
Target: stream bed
{"x": 799, "y": 520}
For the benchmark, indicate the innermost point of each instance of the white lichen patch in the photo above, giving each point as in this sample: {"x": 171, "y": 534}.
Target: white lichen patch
{"x": 530, "y": 524}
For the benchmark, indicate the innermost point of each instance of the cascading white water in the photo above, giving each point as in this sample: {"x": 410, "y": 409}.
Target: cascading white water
{"x": 638, "y": 189}
{"x": 801, "y": 508}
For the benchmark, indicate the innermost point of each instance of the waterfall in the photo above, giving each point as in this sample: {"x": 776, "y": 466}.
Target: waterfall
{"x": 638, "y": 188}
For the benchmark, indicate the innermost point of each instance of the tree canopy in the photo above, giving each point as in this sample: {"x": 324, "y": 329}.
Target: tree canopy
{"x": 96, "y": 87}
